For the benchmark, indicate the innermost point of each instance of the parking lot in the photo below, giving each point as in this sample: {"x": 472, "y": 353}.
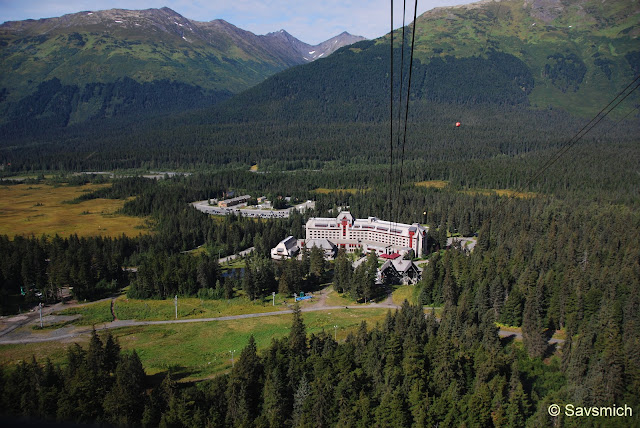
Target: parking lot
{"x": 251, "y": 212}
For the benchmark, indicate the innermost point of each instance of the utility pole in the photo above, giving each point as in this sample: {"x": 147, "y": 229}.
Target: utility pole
{"x": 232, "y": 362}
{"x": 335, "y": 332}
{"x": 273, "y": 294}
{"x": 175, "y": 301}
{"x": 40, "y": 314}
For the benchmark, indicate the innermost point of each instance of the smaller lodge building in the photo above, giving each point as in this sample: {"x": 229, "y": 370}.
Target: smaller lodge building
{"x": 399, "y": 271}
{"x": 234, "y": 201}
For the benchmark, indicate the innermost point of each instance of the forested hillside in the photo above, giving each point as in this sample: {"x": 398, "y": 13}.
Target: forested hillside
{"x": 336, "y": 110}
{"x": 544, "y": 263}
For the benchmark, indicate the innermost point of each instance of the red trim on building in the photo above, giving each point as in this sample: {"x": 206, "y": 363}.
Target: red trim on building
{"x": 392, "y": 256}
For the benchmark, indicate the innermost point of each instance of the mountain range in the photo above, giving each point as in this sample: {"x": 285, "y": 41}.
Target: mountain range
{"x": 92, "y": 55}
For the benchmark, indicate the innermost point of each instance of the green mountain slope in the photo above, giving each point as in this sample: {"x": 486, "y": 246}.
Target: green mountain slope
{"x": 573, "y": 55}
{"x": 580, "y": 52}
{"x": 144, "y": 45}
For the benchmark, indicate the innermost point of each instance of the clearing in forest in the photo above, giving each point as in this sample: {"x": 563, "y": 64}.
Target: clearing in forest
{"x": 441, "y": 184}
{"x": 501, "y": 192}
{"x": 437, "y": 184}
{"x": 326, "y": 191}
{"x": 37, "y": 209}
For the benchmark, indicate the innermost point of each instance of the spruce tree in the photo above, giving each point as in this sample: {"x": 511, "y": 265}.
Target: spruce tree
{"x": 298, "y": 334}
{"x": 300, "y": 400}
{"x": 111, "y": 354}
{"x": 342, "y": 272}
{"x": 532, "y": 328}
{"x": 124, "y": 404}
{"x": 316, "y": 262}
{"x": 244, "y": 390}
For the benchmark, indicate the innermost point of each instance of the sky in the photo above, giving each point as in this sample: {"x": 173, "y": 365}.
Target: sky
{"x": 311, "y": 21}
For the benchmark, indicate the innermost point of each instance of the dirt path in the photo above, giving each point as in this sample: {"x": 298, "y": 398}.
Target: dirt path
{"x": 113, "y": 312}
{"x": 320, "y": 298}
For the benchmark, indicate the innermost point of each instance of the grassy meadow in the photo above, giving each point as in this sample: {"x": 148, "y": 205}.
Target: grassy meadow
{"x": 404, "y": 292}
{"x": 440, "y": 184}
{"x": 201, "y": 349}
{"x": 326, "y": 191}
{"x": 28, "y": 209}
{"x": 191, "y": 307}
{"x": 436, "y": 184}
{"x": 162, "y": 310}
{"x": 501, "y": 192}
{"x": 92, "y": 313}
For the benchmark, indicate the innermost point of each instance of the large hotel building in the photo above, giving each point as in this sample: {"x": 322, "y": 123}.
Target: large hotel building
{"x": 383, "y": 237}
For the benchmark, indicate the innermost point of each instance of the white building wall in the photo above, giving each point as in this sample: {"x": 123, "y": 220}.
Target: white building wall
{"x": 351, "y": 234}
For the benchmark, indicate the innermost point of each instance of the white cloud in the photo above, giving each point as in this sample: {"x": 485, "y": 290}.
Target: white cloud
{"x": 310, "y": 21}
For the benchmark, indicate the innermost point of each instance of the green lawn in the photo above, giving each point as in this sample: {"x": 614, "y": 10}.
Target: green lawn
{"x": 339, "y": 299}
{"x": 93, "y": 313}
{"x": 404, "y": 292}
{"x": 237, "y": 263}
{"x": 56, "y": 351}
{"x": 190, "y": 307}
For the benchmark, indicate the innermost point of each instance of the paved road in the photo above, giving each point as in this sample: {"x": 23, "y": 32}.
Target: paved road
{"x": 77, "y": 332}
{"x": 235, "y": 256}
{"x": 9, "y": 324}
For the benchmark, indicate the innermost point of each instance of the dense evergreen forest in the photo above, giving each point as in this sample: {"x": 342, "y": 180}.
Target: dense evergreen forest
{"x": 564, "y": 260}
{"x": 54, "y": 105}
{"x": 567, "y": 262}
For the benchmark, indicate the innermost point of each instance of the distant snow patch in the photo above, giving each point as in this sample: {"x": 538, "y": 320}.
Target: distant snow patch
{"x": 312, "y": 52}
{"x": 119, "y": 22}
{"x": 90, "y": 13}
{"x": 320, "y": 54}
